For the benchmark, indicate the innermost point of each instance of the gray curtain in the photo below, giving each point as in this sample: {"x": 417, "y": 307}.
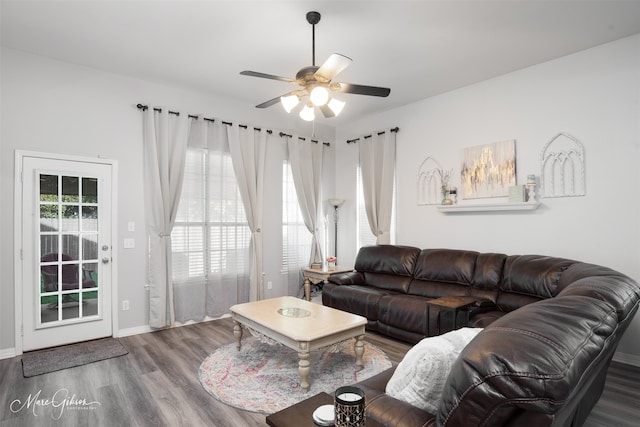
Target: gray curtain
{"x": 377, "y": 165}
{"x": 305, "y": 158}
{"x": 248, "y": 152}
{"x": 165, "y": 146}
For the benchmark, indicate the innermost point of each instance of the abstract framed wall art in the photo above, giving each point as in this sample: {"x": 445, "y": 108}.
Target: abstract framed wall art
{"x": 488, "y": 170}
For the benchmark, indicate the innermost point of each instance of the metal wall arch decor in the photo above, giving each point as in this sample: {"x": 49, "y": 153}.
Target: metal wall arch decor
{"x": 428, "y": 182}
{"x": 562, "y": 167}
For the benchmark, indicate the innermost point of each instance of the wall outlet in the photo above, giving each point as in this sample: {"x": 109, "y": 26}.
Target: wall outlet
{"x": 125, "y": 305}
{"x": 269, "y": 284}
{"x": 129, "y": 243}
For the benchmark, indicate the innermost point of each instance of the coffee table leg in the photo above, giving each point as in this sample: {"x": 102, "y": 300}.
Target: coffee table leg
{"x": 359, "y": 349}
{"x": 237, "y": 333}
{"x": 303, "y": 369}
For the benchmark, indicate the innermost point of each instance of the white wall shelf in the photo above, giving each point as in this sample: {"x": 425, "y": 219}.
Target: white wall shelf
{"x": 489, "y": 207}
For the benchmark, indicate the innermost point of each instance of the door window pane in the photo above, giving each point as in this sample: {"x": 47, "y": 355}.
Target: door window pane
{"x": 70, "y": 189}
{"x": 90, "y": 275}
{"x": 48, "y": 188}
{"x": 89, "y": 190}
{"x": 48, "y": 245}
{"x": 70, "y": 247}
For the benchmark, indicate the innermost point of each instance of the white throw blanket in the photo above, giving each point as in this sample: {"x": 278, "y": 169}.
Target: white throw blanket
{"x": 420, "y": 377}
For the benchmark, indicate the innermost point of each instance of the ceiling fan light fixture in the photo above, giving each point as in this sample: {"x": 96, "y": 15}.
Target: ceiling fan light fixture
{"x": 319, "y": 96}
{"x": 289, "y": 102}
{"x": 336, "y": 106}
{"x": 307, "y": 113}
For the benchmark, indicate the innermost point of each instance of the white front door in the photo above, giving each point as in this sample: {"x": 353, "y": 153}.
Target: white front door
{"x": 66, "y": 251}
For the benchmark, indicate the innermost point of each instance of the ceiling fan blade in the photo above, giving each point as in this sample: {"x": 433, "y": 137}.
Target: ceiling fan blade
{"x": 331, "y": 67}
{"x": 361, "y": 90}
{"x": 266, "y": 76}
{"x": 327, "y": 111}
{"x": 269, "y": 103}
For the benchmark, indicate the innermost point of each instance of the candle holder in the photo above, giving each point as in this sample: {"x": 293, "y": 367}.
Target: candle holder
{"x": 349, "y": 406}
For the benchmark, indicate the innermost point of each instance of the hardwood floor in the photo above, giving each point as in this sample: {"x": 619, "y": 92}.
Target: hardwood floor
{"x": 156, "y": 384}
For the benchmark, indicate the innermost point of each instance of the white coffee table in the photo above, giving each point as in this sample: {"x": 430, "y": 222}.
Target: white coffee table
{"x": 300, "y": 325}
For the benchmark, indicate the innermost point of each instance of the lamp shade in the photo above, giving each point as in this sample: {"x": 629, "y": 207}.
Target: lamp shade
{"x": 307, "y": 113}
{"x": 336, "y": 106}
{"x": 335, "y": 202}
{"x": 289, "y": 102}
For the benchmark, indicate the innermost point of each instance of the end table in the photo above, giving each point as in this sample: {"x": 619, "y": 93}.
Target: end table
{"x": 454, "y": 304}
{"x": 319, "y": 276}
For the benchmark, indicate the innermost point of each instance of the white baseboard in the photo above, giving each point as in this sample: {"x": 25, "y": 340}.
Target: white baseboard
{"x": 628, "y": 359}
{"x": 133, "y": 331}
{"x": 146, "y": 328}
{"x": 7, "y": 353}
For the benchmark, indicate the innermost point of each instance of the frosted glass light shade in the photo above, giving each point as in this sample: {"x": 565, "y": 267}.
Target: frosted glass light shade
{"x": 289, "y": 102}
{"x": 319, "y": 96}
{"x": 307, "y": 113}
{"x": 336, "y": 106}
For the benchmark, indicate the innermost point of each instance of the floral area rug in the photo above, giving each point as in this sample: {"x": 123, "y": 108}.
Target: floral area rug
{"x": 264, "y": 378}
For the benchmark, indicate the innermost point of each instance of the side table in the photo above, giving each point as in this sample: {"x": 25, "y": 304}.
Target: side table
{"x": 301, "y": 414}
{"x": 453, "y": 304}
{"x": 319, "y": 276}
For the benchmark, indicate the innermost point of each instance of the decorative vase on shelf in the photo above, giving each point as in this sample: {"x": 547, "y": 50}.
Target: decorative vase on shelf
{"x": 445, "y": 196}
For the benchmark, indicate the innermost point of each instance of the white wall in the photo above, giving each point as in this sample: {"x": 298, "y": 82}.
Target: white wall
{"x": 593, "y": 95}
{"x": 57, "y": 107}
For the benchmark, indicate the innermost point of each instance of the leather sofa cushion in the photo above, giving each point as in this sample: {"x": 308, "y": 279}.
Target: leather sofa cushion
{"x": 360, "y": 300}
{"x": 387, "y": 267}
{"x": 601, "y": 283}
{"x": 403, "y": 311}
{"x": 446, "y": 265}
{"x": 388, "y": 282}
{"x": 545, "y": 351}
{"x": 533, "y": 275}
{"x": 389, "y": 259}
{"x": 425, "y": 288}
{"x": 488, "y": 272}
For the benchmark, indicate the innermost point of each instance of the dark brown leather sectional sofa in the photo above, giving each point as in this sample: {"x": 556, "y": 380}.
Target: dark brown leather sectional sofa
{"x": 551, "y": 325}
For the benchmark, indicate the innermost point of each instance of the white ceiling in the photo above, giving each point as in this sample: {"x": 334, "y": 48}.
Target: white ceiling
{"x": 416, "y": 48}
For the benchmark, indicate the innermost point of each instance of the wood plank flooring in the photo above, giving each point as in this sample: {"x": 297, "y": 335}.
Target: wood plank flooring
{"x": 156, "y": 384}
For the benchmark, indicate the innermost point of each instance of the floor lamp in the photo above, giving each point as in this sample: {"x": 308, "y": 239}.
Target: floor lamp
{"x": 336, "y": 204}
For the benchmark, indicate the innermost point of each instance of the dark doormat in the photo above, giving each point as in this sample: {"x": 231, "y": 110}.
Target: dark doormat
{"x": 56, "y": 359}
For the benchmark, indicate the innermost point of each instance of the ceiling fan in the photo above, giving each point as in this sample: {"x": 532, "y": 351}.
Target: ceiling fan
{"x": 317, "y": 83}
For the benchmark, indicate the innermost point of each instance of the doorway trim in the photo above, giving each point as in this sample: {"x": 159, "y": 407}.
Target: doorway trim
{"x": 18, "y": 232}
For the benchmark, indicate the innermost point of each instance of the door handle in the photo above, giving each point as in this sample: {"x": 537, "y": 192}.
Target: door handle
{"x": 105, "y": 260}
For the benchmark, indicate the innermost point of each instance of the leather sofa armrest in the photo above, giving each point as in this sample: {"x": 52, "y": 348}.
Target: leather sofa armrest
{"x": 350, "y": 278}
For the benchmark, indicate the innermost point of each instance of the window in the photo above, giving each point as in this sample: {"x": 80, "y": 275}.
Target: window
{"x": 296, "y": 238}
{"x": 364, "y": 235}
{"x": 211, "y": 235}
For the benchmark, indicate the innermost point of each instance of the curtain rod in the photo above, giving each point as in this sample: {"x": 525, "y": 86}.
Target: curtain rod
{"x": 304, "y": 139}
{"x": 349, "y": 141}
{"x": 191, "y": 116}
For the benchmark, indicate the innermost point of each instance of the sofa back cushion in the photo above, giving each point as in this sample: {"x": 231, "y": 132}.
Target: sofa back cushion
{"x": 387, "y": 267}
{"x": 440, "y": 272}
{"x": 601, "y": 283}
{"x": 530, "y": 278}
{"x": 527, "y": 362}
